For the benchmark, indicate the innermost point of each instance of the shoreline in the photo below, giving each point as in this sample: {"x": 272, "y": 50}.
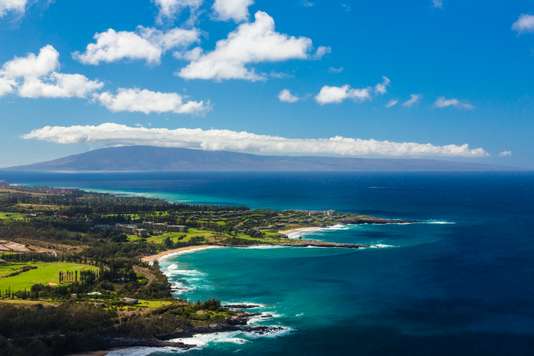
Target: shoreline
{"x": 296, "y": 243}
{"x": 299, "y": 232}
{"x": 176, "y": 252}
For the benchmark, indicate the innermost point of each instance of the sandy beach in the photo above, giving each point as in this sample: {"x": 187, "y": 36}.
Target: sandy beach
{"x": 176, "y": 251}
{"x": 299, "y": 232}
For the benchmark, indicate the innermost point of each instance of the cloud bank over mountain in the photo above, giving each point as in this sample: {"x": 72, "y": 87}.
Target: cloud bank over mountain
{"x": 109, "y": 134}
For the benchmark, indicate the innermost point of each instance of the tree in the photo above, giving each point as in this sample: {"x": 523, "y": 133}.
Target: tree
{"x": 168, "y": 243}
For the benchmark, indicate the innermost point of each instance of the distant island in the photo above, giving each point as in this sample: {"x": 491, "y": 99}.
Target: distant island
{"x": 79, "y": 271}
{"x": 154, "y": 159}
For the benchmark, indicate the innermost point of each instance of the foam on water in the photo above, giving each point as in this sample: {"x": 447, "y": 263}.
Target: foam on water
{"x": 280, "y": 331}
{"x": 173, "y": 270}
{"x": 381, "y": 246}
{"x": 261, "y": 247}
{"x": 184, "y": 280}
{"x": 251, "y": 305}
{"x": 439, "y": 222}
{"x": 299, "y": 233}
{"x": 143, "y": 351}
{"x": 203, "y": 340}
{"x": 426, "y": 222}
{"x": 262, "y": 317}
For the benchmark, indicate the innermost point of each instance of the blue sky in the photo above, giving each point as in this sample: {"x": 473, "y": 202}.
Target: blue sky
{"x": 270, "y": 77}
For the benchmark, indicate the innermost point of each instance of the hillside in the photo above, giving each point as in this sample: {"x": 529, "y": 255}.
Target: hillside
{"x": 145, "y": 158}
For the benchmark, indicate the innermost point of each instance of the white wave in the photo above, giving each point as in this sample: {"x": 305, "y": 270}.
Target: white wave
{"x": 172, "y": 267}
{"x": 203, "y": 340}
{"x": 144, "y": 351}
{"x": 438, "y": 222}
{"x": 183, "y": 280}
{"x": 381, "y": 246}
{"x": 280, "y": 331}
{"x": 299, "y": 233}
{"x": 250, "y": 305}
{"x": 422, "y": 222}
{"x": 261, "y": 247}
{"x": 184, "y": 272}
{"x": 180, "y": 288}
{"x": 338, "y": 227}
{"x": 263, "y": 316}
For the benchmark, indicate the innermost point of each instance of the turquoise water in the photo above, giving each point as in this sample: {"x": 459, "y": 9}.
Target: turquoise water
{"x": 461, "y": 282}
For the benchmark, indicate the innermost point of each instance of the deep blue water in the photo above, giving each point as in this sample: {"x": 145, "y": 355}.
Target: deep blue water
{"x": 462, "y": 288}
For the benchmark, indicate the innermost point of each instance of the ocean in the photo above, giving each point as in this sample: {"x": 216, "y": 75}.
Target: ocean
{"x": 460, "y": 281}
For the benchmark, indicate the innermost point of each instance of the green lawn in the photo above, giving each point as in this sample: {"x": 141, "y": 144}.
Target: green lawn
{"x": 153, "y": 304}
{"x": 45, "y": 273}
{"x": 270, "y": 237}
{"x": 39, "y": 207}
{"x": 246, "y": 239}
{"x": 272, "y": 234}
{"x": 183, "y": 237}
{"x": 11, "y": 217}
{"x": 10, "y": 268}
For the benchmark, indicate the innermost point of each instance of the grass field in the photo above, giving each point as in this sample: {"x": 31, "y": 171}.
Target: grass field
{"x": 45, "y": 273}
{"x": 151, "y": 304}
{"x": 39, "y": 207}
{"x": 184, "y": 237}
{"x": 11, "y": 217}
{"x": 207, "y": 237}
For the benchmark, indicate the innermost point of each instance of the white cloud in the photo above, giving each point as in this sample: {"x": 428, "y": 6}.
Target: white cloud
{"x": 321, "y": 52}
{"x": 525, "y": 23}
{"x": 443, "y": 103}
{"x": 214, "y": 140}
{"x": 414, "y": 99}
{"x": 382, "y": 88}
{"x": 506, "y": 153}
{"x": 236, "y": 10}
{"x": 14, "y": 6}
{"x": 32, "y": 65}
{"x": 169, "y": 9}
{"x": 336, "y": 95}
{"x": 391, "y": 103}
{"x": 253, "y": 42}
{"x": 189, "y": 55}
{"x": 36, "y": 76}
{"x": 147, "y": 44}
{"x": 59, "y": 85}
{"x": 146, "y": 101}
{"x": 6, "y": 86}
{"x": 173, "y": 38}
{"x": 438, "y": 4}
{"x": 286, "y": 96}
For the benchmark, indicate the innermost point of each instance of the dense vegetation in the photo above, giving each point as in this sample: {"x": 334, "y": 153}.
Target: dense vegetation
{"x": 71, "y": 327}
{"x": 72, "y": 278}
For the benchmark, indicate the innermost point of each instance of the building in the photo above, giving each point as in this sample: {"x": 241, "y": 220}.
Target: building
{"x": 127, "y": 229}
{"x": 142, "y": 232}
{"x": 163, "y": 227}
{"x": 154, "y": 227}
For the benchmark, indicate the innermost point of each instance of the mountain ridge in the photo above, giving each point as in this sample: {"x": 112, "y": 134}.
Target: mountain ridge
{"x": 150, "y": 158}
